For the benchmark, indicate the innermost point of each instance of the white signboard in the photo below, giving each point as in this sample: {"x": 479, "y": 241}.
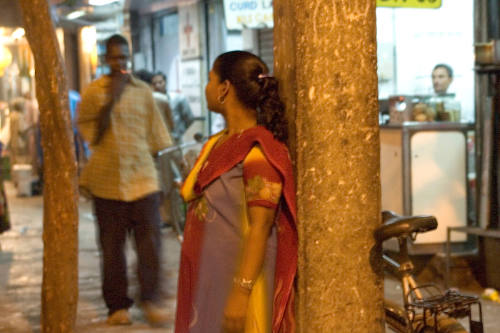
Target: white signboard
{"x": 241, "y": 14}
{"x": 190, "y": 78}
{"x": 189, "y": 32}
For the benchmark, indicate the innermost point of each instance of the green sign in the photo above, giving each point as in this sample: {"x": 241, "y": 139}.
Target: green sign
{"x": 409, "y": 3}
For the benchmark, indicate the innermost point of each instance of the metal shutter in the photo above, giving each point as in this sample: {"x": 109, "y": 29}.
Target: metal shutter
{"x": 265, "y": 40}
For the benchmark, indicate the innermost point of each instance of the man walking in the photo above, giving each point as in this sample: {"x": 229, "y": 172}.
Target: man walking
{"x": 120, "y": 120}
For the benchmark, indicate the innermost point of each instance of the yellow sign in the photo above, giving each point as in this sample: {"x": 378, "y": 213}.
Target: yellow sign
{"x": 410, "y": 3}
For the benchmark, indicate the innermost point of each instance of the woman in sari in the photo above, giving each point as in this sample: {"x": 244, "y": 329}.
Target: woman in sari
{"x": 239, "y": 256}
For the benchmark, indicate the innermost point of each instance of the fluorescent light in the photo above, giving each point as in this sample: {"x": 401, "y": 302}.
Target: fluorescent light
{"x": 76, "y": 14}
{"x": 101, "y": 2}
{"x": 89, "y": 38}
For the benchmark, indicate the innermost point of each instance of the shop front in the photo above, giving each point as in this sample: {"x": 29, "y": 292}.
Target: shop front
{"x": 438, "y": 70}
{"x": 427, "y": 110}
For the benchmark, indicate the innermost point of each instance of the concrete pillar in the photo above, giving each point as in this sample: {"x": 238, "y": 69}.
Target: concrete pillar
{"x": 325, "y": 58}
{"x": 60, "y": 223}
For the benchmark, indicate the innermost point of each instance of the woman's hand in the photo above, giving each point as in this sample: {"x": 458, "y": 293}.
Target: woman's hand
{"x": 235, "y": 313}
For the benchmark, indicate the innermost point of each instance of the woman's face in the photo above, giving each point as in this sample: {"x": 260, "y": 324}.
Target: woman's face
{"x": 213, "y": 91}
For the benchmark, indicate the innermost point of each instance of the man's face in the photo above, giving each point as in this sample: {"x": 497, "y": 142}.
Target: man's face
{"x": 117, "y": 58}
{"x": 159, "y": 84}
{"x": 440, "y": 80}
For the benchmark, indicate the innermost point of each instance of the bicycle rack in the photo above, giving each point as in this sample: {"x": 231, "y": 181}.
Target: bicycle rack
{"x": 429, "y": 300}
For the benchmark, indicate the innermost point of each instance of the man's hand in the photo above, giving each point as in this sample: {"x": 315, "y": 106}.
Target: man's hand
{"x": 118, "y": 82}
{"x": 235, "y": 313}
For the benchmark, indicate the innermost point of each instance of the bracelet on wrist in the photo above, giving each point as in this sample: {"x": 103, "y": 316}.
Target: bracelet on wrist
{"x": 244, "y": 283}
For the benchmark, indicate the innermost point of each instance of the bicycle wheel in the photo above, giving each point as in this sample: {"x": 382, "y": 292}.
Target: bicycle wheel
{"x": 445, "y": 325}
{"x": 395, "y": 318}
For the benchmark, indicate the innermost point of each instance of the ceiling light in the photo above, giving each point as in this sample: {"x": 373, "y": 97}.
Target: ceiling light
{"x": 76, "y": 14}
{"x": 101, "y": 2}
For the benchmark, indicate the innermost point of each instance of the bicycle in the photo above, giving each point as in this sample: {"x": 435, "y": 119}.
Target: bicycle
{"x": 425, "y": 308}
{"x": 180, "y": 162}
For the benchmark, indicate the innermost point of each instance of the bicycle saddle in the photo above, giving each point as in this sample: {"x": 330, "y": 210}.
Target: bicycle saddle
{"x": 396, "y": 226}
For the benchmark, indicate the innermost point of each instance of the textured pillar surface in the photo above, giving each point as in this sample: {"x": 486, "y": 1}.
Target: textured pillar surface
{"x": 60, "y": 221}
{"x": 325, "y": 58}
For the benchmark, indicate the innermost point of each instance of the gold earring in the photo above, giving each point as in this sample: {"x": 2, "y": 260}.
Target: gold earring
{"x": 220, "y": 99}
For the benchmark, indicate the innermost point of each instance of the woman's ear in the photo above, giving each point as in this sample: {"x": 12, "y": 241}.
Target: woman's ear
{"x": 224, "y": 88}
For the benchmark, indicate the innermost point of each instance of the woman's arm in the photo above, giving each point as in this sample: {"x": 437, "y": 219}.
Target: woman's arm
{"x": 254, "y": 249}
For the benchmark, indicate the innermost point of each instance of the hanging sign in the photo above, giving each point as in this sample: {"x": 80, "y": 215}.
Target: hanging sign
{"x": 258, "y": 14}
{"x": 255, "y": 14}
{"x": 410, "y": 3}
{"x": 189, "y": 31}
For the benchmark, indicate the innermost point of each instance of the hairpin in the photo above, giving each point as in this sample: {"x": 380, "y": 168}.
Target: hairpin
{"x": 264, "y": 75}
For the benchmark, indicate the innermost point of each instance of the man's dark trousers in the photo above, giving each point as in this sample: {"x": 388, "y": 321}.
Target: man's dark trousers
{"x": 115, "y": 220}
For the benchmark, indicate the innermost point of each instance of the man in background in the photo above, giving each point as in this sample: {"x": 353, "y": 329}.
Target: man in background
{"x": 160, "y": 98}
{"x": 182, "y": 115}
{"x": 442, "y": 76}
{"x": 120, "y": 120}
{"x": 444, "y": 104}
{"x": 182, "y": 118}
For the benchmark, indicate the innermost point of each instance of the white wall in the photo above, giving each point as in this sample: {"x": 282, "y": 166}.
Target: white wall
{"x": 412, "y": 41}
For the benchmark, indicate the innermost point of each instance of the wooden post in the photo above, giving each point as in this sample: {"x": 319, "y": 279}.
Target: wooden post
{"x": 325, "y": 58}
{"x": 60, "y": 223}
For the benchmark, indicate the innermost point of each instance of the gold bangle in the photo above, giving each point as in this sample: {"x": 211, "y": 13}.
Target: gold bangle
{"x": 244, "y": 283}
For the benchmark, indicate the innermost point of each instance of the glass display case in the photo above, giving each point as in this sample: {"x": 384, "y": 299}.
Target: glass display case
{"x": 425, "y": 170}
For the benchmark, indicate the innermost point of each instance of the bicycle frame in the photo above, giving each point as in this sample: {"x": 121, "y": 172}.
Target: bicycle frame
{"x": 178, "y": 167}
{"x": 403, "y": 271}
{"x": 413, "y": 294}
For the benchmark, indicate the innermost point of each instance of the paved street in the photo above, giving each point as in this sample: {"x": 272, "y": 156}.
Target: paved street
{"x": 21, "y": 274}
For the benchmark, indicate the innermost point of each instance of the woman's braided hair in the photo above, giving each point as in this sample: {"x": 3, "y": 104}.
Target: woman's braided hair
{"x": 255, "y": 89}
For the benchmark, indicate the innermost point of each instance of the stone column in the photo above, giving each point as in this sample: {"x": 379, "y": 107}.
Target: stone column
{"x": 60, "y": 223}
{"x": 325, "y": 58}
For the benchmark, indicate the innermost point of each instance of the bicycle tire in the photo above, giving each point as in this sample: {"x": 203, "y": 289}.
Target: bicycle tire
{"x": 445, "y": 325}
{"x": 395, "y": 318}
